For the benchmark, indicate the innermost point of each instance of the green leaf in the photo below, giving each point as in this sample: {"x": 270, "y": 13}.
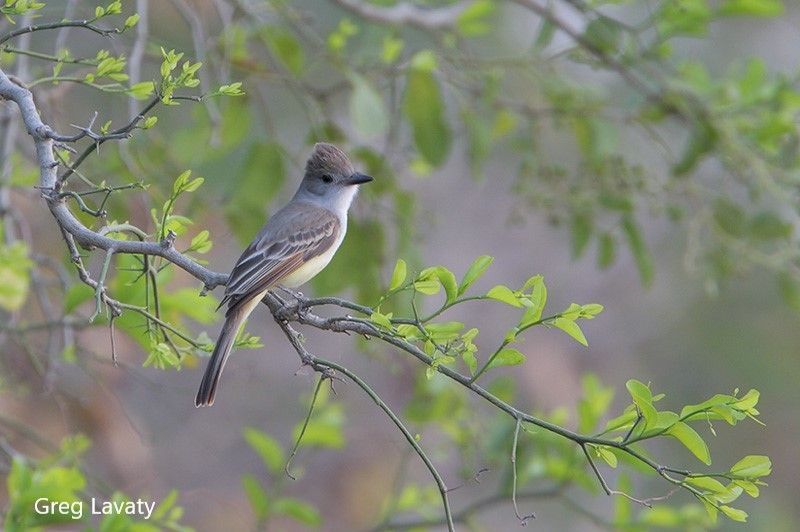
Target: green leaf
{"x": 604, "y": 34}
{"x": 643, "y": 399}
{"x": 748, "y": 400}
{"x": 644, "y": 262}
{"x": 298, "y": 510}
{"x": 684, "y": 17}
{"x": 734, "y": 513}
{"x": 427, "y": 282}
{"x": 508, "y": 356}
{"x": 367, "y": 109}
{"x": 769, "y": 226}
{"x": 475, "y": 19}
{"x": 621, "y": 422}
{"x": 448, "y": 281}
{"x": 201, "y": 243}
{"x": 504, "y": 294}
{"x": 15, "y": 266}
{"x": 707, "y": 484}
{"x": 446, "y": 331}
{"x": 537, "y": 299}
{"x": 256, "y": 496}
{"x": 581, "y": 227}
{"x": 384, "y": 320}
{"x": 606, "y": 251}
{"x": 266, "y": 447}
{"x": 398, "y": 275}
{"x": 752, "y": 8}
{"x": 391, "y": 49}
{"x": 691, "y": 440}
{"x": 730, "y": 217}
{"x": 258, "y": 181}
{"x": 608, "y": 457}
{"x": 469, "y": 359}
{"x": 752, "y": 466}
{"x": 425, "y": 110}
{"x": 545, "y": 36}
{"x": 142, "y": 90}
{"x": 701, "y": 142}
{"x": 76, "y": 294}
{"x": 132, "y": 20}
{"x": 789, "y": 289}
{"x": 285, "y": 47}
{"x": 474, "y": 272}
{"x": 571, "y": 328}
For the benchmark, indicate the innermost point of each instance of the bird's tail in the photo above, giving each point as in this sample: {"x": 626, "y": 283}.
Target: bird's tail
{"x": 208, "y": 386}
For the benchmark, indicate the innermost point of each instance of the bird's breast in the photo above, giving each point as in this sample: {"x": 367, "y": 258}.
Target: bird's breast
{"x": 312, "y": 266}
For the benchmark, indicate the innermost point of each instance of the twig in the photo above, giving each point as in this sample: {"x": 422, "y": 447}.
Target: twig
{"x": 320, "y": 365}
{"x": 100, "y": 288}
{"x": 105, "y": 32}
{"x": 523, "y": 520}
{"x": 303, "y": 429}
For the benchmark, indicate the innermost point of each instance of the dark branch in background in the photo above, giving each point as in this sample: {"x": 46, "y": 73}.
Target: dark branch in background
{"x": 403, "y": 13}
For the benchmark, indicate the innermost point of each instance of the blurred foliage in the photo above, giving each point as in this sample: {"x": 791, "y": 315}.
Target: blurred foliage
{"x": 406, "y": 97}
{"x": 59, "y": 478}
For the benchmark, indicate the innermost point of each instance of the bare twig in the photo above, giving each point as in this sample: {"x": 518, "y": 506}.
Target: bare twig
{"x": 523, "y": 519}
{"x": 296, "y": 445}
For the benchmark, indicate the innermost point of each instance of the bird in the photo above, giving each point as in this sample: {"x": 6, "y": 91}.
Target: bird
{"x": 294, "y": 245}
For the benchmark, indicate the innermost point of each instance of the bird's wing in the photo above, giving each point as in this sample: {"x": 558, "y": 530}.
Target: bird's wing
{"x": 295, "y": 234}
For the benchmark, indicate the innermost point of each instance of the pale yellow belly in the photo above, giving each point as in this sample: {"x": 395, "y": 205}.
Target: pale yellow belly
{"x": 310, "y": 268}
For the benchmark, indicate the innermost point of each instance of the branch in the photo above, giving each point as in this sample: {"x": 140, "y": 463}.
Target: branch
{"x": 427, "y": 18}
{"x": 48, "y": 182}
{"x": 105, "y": 32}
{"x": 326, "y": 367}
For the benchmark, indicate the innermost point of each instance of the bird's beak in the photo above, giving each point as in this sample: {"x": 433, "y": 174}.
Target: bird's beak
{"x": 358, "y": 179}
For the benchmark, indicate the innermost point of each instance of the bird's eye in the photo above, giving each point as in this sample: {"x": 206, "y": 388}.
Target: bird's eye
{"x": 327, "y": 178}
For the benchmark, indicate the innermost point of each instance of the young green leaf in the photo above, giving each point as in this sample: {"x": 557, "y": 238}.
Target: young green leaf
{"x": 504, "y": 294}
{"x": 367, "y": 108}
{"x": 734, "y": 513}
{"x": 474, "y": 272}
{"x": 266, "y": 447}
{"x": 424, "y": 106}
{"x": 571, "y": 328}
{"x": 752, "y": 466}
{"x": 608, "y": 457}
{"x": 256, "y": 496}
{"x": 508, "y": 356}
{"x": 691, "y": 440}
{"x": 298, "y": 510}
{"x": 398, "y": 275}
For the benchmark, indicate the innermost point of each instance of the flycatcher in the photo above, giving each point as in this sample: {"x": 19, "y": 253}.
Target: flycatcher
{"x": 293, "y": 246}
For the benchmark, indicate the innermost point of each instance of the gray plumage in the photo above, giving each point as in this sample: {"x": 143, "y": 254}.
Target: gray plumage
{"x": 292, "y": 247}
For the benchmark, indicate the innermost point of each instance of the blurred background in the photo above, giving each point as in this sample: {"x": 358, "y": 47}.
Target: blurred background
{"x": 637, "y": 154}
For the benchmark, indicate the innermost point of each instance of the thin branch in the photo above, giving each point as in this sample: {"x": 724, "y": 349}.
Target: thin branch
{"x": 325, "y": 366}
{"x": 406, "y": 13}
{"x": 87, "y": 24}
{"x": 100, "y": 289}
{"x": 303, "y": 429}
{"x": 523, "y": 520}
